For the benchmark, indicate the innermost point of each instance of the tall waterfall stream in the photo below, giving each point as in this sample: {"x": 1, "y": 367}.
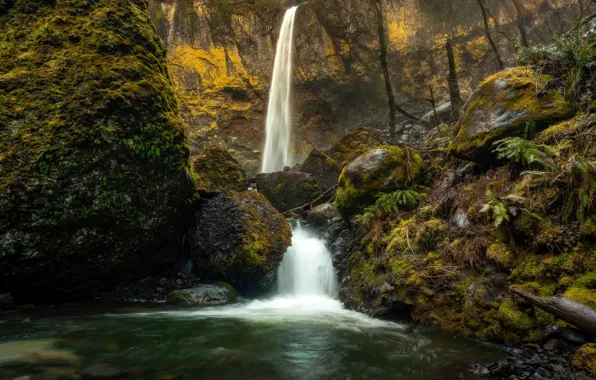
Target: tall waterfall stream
{"x": 277, "y": 153}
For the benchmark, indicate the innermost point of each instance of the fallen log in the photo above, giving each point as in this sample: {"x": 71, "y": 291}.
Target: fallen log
{"x": 581, "y": 316}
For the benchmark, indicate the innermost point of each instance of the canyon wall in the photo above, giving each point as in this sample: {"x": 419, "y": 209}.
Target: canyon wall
{"x": 220, "y": 55}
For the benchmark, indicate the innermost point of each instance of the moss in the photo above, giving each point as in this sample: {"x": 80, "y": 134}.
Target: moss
{"x": 588, "y": 229}
{"x": 216, "y": 170}
{"x": 89, "y": 125}
{"x": 512, "y": 318}
{"x": 585, "y": 358}
{"x": 499, "y": 253}
{"x": 559, "y": 132}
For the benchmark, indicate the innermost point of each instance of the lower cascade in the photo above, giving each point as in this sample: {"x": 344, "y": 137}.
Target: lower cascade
{"x": 307, "y": 268}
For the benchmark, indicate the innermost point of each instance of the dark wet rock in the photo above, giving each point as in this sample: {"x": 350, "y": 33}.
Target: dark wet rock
{"x": 501, "y": 107}
{"x": 288, "y": 190}
{"x": 204, "y": 295}
{"x": 153, "y": 289}
{"x": 239, "y": 238}
{"x": 101, "y": 371}
{"x": 532, "y": 362}
{"x": 323, "y": 214}
{"x": 550, "y": 345}
{"x": 322, "y": 167}
{"x": 6, "y": 302}
{"x": 216, "y": 171}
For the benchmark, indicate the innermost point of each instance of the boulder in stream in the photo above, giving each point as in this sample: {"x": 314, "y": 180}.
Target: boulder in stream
{"x": 204, "y": 295}
{"x": 241, "y": 239}
{"x": 216, "y": 171}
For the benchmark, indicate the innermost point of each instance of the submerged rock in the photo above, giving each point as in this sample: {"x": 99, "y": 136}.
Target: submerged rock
{"x": 216, "y": 170}
{"x": 380, "y": 170}
{"x": 502, "y": 107}
{"x": 204, "y": 295}
{"x": 239, "y": 238}
{"x": 93, "y": 156}
{"x": 288, "y": 190}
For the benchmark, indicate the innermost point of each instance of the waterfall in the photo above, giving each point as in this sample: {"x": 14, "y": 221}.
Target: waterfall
{"x": 277, "y": 153}
{"x": 307, "y": 267}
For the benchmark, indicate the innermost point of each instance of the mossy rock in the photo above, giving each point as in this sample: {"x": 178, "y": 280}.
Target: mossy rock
{"x": 502, "y": 107}
{"x": 239, "y": 238}
{"x": 588, "y": 229}
{"x": 585, "y": 358}
{"x": 216, "y": 171}
{"x": 288, "y": 190}
{"x": 380, "y": 170}
{"x": 94, "y": 160}
{"x": 326, "y": 166}
{"x": 353, "y": 145}
{"x": 322, "y": 167}
{"x": 204, "y": 295}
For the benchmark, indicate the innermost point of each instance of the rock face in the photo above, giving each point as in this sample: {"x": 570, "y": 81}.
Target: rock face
{"x": 204, "y": 295}
{"x": 326, "y": 166}
{"x": 93, "y": 156}
{"x": 216, "y": 171}
{"x": 288, "y": 190}
{"x": 240, "y": 238}
{"x": 222, "y": 54}
{"x": 380, "y": 170}
{"x": 507, "y": 104}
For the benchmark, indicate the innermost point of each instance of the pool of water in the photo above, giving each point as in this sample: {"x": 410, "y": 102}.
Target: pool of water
{"x": 294, "y": 337}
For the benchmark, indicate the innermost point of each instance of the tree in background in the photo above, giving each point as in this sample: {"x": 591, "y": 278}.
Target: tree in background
{"x": 488, "y": 36}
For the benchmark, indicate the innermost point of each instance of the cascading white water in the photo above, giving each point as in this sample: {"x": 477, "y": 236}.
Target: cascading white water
{"x": 277, "y": 152}
{"x": 307, "y": 267}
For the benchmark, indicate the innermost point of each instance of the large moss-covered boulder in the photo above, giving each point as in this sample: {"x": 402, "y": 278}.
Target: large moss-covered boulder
{"x": 380, "y": 170}
{"x": 216, "y": 170}
{"x": 93, "y": 156}
{"x": 507, "y": 104}
{"x": 288, "y": 190}
{"x": 326, "y": 166}
{"x": 239, "y": 238}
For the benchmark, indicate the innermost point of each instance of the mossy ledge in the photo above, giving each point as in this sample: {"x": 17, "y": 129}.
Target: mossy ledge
{"x": 94, "y": 162}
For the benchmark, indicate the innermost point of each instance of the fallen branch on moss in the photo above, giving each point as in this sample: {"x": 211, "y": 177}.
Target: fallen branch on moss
{"x": 581, "y": 316}
{"x": 310, "y": 204}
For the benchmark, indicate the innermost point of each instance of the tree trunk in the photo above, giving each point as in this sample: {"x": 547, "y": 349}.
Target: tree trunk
{"x": 488, "y": 36}
{"x": 454, "y": 94}
{"x": 384, "y": 66}
{"x": 520, "y": 22}
{"x": 581, "y": 316}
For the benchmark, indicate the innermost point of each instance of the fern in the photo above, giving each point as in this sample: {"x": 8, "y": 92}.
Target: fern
{"x": 579, "y": 174}
{"x": 525, "y": 152}
{"x": 497, "y": 207}
{"x": 388, "y": 203}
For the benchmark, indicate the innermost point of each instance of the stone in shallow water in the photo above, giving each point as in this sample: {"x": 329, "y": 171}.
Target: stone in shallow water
{"x": 33, "y": 351}
{"x": 101, "y": 371}
{"x": 204, "y": 295}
